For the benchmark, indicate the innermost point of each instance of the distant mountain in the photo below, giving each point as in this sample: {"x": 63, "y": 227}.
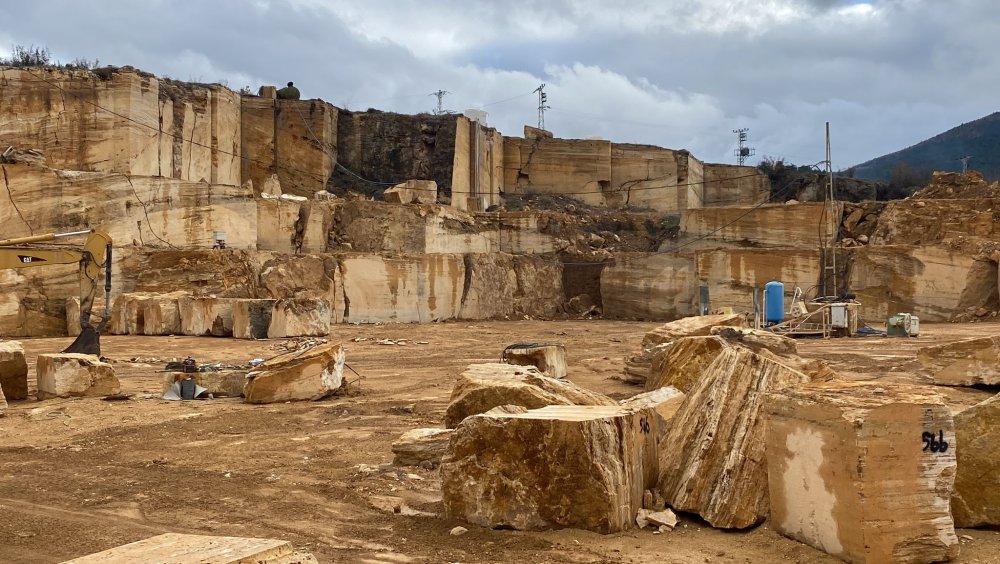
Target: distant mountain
{"x": 979, "y": 139}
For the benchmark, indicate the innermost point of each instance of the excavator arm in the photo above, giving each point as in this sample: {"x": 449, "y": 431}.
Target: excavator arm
{"x": 94, "y": 258}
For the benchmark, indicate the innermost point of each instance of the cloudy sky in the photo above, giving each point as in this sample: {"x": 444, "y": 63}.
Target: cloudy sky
{"x": 675, "y": 73}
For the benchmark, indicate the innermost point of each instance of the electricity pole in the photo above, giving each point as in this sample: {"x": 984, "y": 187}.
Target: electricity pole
{"x": 742, "y": 151}
{"x": 440, "y": 96}
{"x": 965, "y": 163}
{"x": 542, "y": 99}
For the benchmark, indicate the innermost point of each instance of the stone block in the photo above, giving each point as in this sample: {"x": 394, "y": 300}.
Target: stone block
{"x": 312, "y": 375}
{"x": 976, "y": 500}
{"x": 3, "y": 403}
{"x": 161, "y": 315}
{"x": 13, "y": 370}
{"x": 300, "y": 317}
{"x": 252, "y": 318}
{"x": 637, "y": 367}
{"x": 206, "y": 316}
{"x": 485, "y": 386}
{"x": 559, "y": 466}
{"x": 963, "y": 363}
{"x": 421, "y": 447}
{"x": 712, "y": 462}
{"x": 190, "y": 549}
{"x": 863, "y": 470}
{"x": 660, "y": 405}
{"x": 225, "y": 383}
{"x": 412, "y": 192}
{"x": 550, "y": 359}
{"x": 74, "y": 375}
{"x": 681, "y": 363}
{"x": 138, "y": 313}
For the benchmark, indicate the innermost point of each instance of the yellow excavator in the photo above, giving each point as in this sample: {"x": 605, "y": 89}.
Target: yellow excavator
{"x": 93, "y": 257}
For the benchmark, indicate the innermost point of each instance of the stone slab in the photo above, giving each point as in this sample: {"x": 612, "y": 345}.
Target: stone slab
{"x": 177, "y": 548}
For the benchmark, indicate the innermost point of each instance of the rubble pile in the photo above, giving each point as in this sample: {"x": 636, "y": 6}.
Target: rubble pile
{"x": 958, "y": 186}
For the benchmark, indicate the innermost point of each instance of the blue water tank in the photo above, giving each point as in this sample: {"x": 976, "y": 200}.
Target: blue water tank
{"x": 774, "y": 302}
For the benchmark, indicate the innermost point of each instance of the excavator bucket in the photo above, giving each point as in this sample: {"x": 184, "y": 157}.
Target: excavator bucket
{"x": 88, "y": 342}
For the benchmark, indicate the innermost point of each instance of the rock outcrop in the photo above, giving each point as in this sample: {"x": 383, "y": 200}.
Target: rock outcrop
{"x": 74, "y": 375}
{"x": 976, "y": 501}
{"x": 559, "y": 466}
{"x": 850, "y": 475}
{"x": 421, "y": 447}
{"x": 312, "y": 375}
{"x": 963, "y": 363}
{"x": 13, "y": 370}
{"x": 550, "y": 359}
{"x": 485, "y": 386}
{"x": 712, "y": 462}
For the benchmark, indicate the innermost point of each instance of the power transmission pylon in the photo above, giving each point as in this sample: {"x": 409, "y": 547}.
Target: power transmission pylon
{"x": 742, "y": 151}
{"x": 965, "y": 163}
{"x": 440, "y": 96}
{"x": 542, "y": 99}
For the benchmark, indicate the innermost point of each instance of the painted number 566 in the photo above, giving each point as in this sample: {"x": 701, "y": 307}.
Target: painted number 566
{"x": 934, "y": 444}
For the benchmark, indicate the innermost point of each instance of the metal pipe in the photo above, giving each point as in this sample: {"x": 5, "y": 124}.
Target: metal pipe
{"x": 43, "y": 237}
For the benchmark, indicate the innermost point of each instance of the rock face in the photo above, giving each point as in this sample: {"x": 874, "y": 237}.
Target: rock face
{"x": 485, "y": 386}
{"x": 712, "y": 462}
{"x": 252, "y": 318}
{"x": 550, "y": 359}
{"x": 421, "y": 447}
{"x": 300, "y": 317}
{"x": 976, "y": 501}
{"x": 682, "y": 362}
{"x": 412, "y": 192}
{"x": 560, "y": 466}
{"x": 313, "y": 375}
{"x": 202, "y": 317}
{"x": 963, "y": 363}
{"x": 13, "y": 370}
{"x": 850, "y": 475}
{"x": 74, "y": 375}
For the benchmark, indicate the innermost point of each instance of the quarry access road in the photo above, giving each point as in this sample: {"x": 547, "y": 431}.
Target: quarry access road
{"x": 79, "y": 476}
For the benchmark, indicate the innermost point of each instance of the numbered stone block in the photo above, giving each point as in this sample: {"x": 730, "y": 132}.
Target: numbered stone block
{"x": 559, "y": 466}
{"x": 550, "y": 359}
{"x": 863, "y": 471}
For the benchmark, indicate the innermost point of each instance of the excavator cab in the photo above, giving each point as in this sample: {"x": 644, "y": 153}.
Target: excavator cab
{"x": 93, "y": 258}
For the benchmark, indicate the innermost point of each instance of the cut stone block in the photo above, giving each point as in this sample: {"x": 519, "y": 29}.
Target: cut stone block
{"x": 559, "y": 466}
{"x": 550, "y": 359}
{"x": 161, "y": 315}
{"x": 73, "y": 314}
{"x": 963, "y": 363}
{"x": 756, "y": 339}
{"x": 681, "y": 363}
{"x": 198, "y": 549}
{"x": 712, "y": 460}
{"x": 637, "y": 367}
{"x": 976, "y": 501}
{"x": 660, "y": 405}
{"x": 312, "y": 375}
{"x": 206, "y": 316}
{"x": 421, "y": 447}
{"x": 863, "y": 470}
{"x": 300, "y": 317}
{"x": 139, "y": 313}
{"x": 72, "y": 375}
{"x": 13, "y": 370}
{"x": 252, "y": 318}
{"x": 412, "y": 192}
{"x": 224, "y": 383}
{"x": 485, "y": 386}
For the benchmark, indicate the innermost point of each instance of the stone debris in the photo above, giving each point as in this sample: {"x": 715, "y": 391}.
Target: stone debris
{"x": 637, "y": 367}
{"x": 196, "y": 549}
{"x": 485, "y": 386}
{"x": 252, "y": 318}
{"x": 976, "y": 500}
{"x": 850, "y": 475}
{"x": 712, "y": 460}
{"x": 412, "y": 192}
{"x": 550, "y": 359}
{"x": 225, "y": 383}
{"x": 559, "y": 466}
{"x": 458, "y": 531}
{"x": 657, "y": 519}
{"x": 963, "y": 363}
{"x": 74, "y": 375}
{"x": 206, "y": 316}
{"x": 13, "y": 370}
{"x": 421, "y": 447}
{"x": 313, "y": 374}
{"x": 300, "y": 317}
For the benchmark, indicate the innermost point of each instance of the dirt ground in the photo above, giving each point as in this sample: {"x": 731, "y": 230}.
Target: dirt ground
{"x": 80, "y": 476}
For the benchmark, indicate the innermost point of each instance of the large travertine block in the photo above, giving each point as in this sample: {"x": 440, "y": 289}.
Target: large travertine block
{"x": 142, "y": 313}
{"x": 683, "y": 362}
{"x": 3, "y": 404}
{"x": 559, "y": 466}
{"x": 713, "y": 460}
{"x": 252, "y": 318}
{"x": 485, "y": 386}
{"x": 313, "y": 375}
{"x": 859, "y": 470}
{"x": 963, "y": 363}
{"x": 207, "y": 316}
{"x": 976, "y": 500}
{"x": 637, "y": 367}
{"x": 421, "y": 447}
{"x": 660, "y": 405}
{"x": 73, "y": 375}
{"x": 550, "y": 359}
{"x": 13, "y": 370}
{"x": 300, "y": 317}
{"x": 412, "y": 192}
